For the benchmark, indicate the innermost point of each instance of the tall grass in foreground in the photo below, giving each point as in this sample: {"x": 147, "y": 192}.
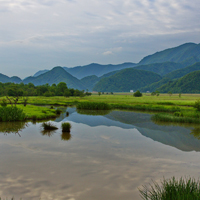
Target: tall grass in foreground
{"x": 11, "y": 113}
{"x": 172, "y": 189}
{"x": 93, "y": 106}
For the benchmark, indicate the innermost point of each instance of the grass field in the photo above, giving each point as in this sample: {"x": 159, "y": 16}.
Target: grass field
{"x": 162, "y": 103}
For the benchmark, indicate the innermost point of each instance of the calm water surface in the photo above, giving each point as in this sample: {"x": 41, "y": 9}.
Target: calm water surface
{"x": 105, "y": 157}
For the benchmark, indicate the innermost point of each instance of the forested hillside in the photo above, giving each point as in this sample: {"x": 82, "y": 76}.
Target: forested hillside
{"x": 126, "y": 80}
{"x": 182, "y": 72}
{"x": 185, "y": 52}
{"x": 96, "y": 69}
{"x": 56, "y": 75}
{"x": 189, "y": 83}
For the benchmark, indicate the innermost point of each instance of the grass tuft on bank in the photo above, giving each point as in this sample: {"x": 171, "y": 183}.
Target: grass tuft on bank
{"x": 172, "y": 189}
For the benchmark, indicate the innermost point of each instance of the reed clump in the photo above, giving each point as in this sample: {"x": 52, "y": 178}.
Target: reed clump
{"x": 166, "y": 117}
{"x": 11, "y": 113}
{"x": 172, "y": 189}
{"x": 48, "y": 126}
{"x": 93, "y": 106}
{"x": 66, "y": 127}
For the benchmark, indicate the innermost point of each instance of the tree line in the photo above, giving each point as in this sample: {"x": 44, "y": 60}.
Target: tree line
{"x": 21, "y": 89}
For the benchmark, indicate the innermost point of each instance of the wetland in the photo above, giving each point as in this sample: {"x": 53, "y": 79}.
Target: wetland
{"x": 107, "y": 155}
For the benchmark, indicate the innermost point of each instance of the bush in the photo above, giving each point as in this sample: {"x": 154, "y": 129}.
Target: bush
{"x": 58, "y": 111}
{"x": 172, "y": 189}
{"x": 197, "y": 105}
{"x": 4, "y": 102}
{"x": 178, "y": 114}
{"x": 48, "y": 126}
{"x": 66, "y": 126}
{"x": 137, "y": 94}
{"x": 11, "y": 113}
{"x": 93, "y": 106}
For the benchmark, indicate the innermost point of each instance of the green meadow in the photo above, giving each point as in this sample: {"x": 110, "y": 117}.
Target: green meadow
{"x": 169, "y": 107}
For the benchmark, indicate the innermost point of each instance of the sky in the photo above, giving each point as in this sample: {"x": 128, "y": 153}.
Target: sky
{"x": 41, "y": 34}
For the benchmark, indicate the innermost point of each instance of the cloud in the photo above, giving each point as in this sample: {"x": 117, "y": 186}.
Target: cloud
{"x": 89, "y": 28}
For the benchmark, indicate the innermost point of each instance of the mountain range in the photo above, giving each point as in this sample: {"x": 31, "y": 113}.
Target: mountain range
{"x": 165, "y": 70}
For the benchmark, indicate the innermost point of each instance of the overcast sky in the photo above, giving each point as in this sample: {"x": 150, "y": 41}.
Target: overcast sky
{"x": 41, "y": 34}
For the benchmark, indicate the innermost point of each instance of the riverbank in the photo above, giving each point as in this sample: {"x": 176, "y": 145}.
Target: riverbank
{"x": 177, "y": 107}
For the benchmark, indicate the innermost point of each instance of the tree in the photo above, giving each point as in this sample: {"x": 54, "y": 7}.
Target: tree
{"x": 137, "y": 94}
{"x": 99, "y": 93}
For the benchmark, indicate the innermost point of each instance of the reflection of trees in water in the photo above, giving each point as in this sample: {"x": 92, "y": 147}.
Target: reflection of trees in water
{"x": 93, "y": 112}
{"x": 66, "y": 136}
{"x": 48, "y": 132}
{"x": 196, "y": 133}
{"x": 12, "y": 127}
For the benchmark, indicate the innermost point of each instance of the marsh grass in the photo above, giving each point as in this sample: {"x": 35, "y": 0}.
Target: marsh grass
{"x": 93, "y": 106}
{"x": 166, "y": 117}
{"x": 172, "y": 189}
{"x": 66, "y": 127}
{"x": 48, "y": 126}
{"x": 11, "y": 113}
{"x": 58, "y": 111}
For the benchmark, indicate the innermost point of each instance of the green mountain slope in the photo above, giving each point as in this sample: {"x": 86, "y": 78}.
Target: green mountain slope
{"x": 96, "y": 69}
{"x": 90, "y": 81}
{"x": 56, "y": 75}
{"x": 6, "y": 79}
{"x": 126, "y": 80}
{"x": 177, "y": 54}
{"x": 161, "y": 68}
{"x": 182, "y": 72}
{"x": 153, "y": 87}
{"x": 189, "y": 83}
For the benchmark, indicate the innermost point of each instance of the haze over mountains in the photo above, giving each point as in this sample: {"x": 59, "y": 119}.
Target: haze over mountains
{"x": 160, "y": 71}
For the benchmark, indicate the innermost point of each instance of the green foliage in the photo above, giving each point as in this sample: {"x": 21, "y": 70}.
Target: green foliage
{"x": 4, "y": 102}
{"x": 176, "y": 54}
{"x": 126, "y": 80}
{"x": 178, "y": 114}
{"x": 11, "y": 113}
{"x": 182, "y": 72}
{"x": 58, "y": 111}
{"x": 99, "y": 93}
{"x": 48, "y": 126}
{"x": 197, "y": 105}
{"x": 189, "y": 83}
{"x": 55, "y": 76}
{"x": 66, "y": 127}
{"x": 166, "y": 117}
{"x": 162, "y": 68}
{"x": 13, "y": 90}
{"x": 172, "y": 189}
{"x": 137, "y": 94}
{"x": 93, "y": 106}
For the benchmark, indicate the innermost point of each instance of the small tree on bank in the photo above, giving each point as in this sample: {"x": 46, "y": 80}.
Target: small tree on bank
{"x": 137, "y": 94}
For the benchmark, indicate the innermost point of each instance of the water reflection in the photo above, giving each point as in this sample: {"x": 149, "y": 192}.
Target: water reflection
{"x": 66, "y": 136}
{"x": 196, "y": 133}
{"x": 12, "y": 127}
{"x": 48, "y": 132}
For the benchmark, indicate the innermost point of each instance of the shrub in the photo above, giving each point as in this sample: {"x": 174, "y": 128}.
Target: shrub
{"x": 66, "y": 126}
{"x": 197, "y": 105}
{"x": 137, "y": 94}
{"x": 178, "y": 114}
{"x": 67, "y": 114}
{"x": 172, "y": 189}
{"x": 11, "y": 113}
{"x": 58, "y": 111}
{"x": 4, "y": 102}
{"x": 48, "y": 126}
